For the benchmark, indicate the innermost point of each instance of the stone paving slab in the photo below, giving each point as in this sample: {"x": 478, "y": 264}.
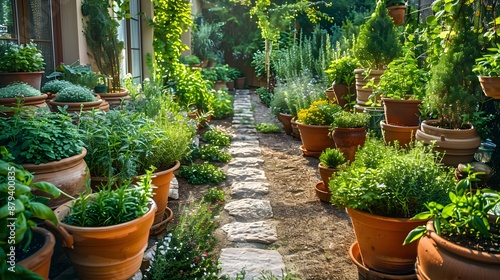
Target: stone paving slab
{"x": 249, "y": 189}
{"x": 245, "y": 152}
{"x": 246, "y": 174}
{"x": 252, "y": 261}
{"x": 259, "y": 232}
{"x": 238, "y": 162}
{"x": 249, "y": 209}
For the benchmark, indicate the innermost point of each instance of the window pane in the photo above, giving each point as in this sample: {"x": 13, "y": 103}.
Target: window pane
{"x": 8, "y": 27}
{"x": 40, "y": 19}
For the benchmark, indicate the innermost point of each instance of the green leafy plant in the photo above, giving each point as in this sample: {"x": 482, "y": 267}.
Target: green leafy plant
{"x": 378, "y": 43}
{"x": 190, "y": 60}
{"x": 214, "y": 196}
{"x": 77, "y": 74}
{"x": 341, "y": 70}
{"x": 346, "y": 119}
{"x": 222, "y": 104}
{"x": 467, "y": 216}
{"x": 40, "y": 137}
{"x": 206, "y": 38}
{"x": 267, "y": 128}
{"x": 489, "y": 63}
{"x": 211, "y": 153}
{"x": 202, "y": 173}
{"x": 187, "y": 250}
{"x": 321, "y": 112}
{"x": 75, "y": 93}
{"x": 19, "y": 211}
{"x": 112, "y": 206}
{"x": 265, "y": 96}
{"x": 390, "y": 181}
{"x": 21, "y": 58}
{"x": 331, "y": 158}
{"x": 217, "y": 136}
{"x": 55, "y": 86}
{"x": 278, "y": 102}
{"x": 17, "y": 89}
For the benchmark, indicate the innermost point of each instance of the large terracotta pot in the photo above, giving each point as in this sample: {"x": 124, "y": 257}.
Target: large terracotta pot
{"x": 380, "y": 241}
{"x": 32, "y": 101}
{"x": 347, "y": 140}
{"x": 401, "y": 112}
{"x": 439, "y": 258}
{"x": 240, "y": 83}
{"x": 219, "y": 85}
{"x": 286, "y": 121}
{"x": 76, "y": 107}
{"x": 69, "y": 174}
{"x": 315, "y": 138}
{"x": 459, "y": 145}
{"x": 490, "y": 86}
{"x": 115, "y": 98}
{"x": 33, "y": 79}
{"x": 362, "y": 93}
{"x": 397, "y": 13}
{"x": 110, "y": 252}
{"x": 325, "y": 173}
{"x": 162, "y": 181}
{"x": 343, "y": 94}
{"x": 39, "y": 262}
{"x": 402, "y": 134}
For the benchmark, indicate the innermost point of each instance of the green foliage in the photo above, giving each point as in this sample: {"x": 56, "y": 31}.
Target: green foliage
{"x": 203, "y": 173}
{"x": 19, "y": 207}
{"x": 489, "y": 63}
{"x": 341, "y": 70}
{"x": 21, "y": 58}
{"x": 264, "y": 95}
{"x": 101, "y": 33}
{"x": 321, "y": 112}
{"x": 222, "y": 104}
{"x": 190, "y": 59}
{"x": 222, "y": 72}
{"x": 390, "y": 181}
{"x": 467, "y": 214}
{"x": 39, "y": 137}
{"x": 217, "y": 137}
{"x": 378, "y": 43}
{"x": 214, "y": 196}
{"x": 77, "y": 74}
{"x": 189, "y": 88}
{"x": 332, "y": 158}
{"x": 211, "y": 153}
{"x": 110, "y": 207}
{"x": 279, "y": 99}
{"x": 346, "y": 119}
{"x": 206, "y": 38}
{"x": 187, "y": 250}
{"x": 54, "y": 86}
{"x": 18, "y": 89}
{"x": 75, "y": 93}
{"x": 267, "y": 128}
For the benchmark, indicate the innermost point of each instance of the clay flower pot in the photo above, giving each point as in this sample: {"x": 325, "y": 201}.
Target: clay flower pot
{"x": 348, "y": 140}
{"x": 33, "y": 79}
{"x": 76, "y": 107}
{"x": 39, "y": 262}
{"x": 490, "y": 86}
{"x": 115, "y": 98}
{"x": 439, "y": 258}
{"x": 401, "y": 112}
{"x": 341, "y": 93}
{"x": 286, "y": 121}
{"x": 162, "y": 181}
{"x": 397, "y": 13}
{"x": 362, "y": 93}
{"x": 402, "y": 134}
{"x": 315, "y": 138}
{"x": 32, "y": 101}
{"x": 325, "y": 173}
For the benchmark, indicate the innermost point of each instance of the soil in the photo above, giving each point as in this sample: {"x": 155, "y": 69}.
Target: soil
{"x": 314, "y": 237}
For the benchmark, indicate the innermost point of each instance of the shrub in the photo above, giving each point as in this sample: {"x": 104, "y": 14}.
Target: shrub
{"x": 264, "y": 95}
{"x": 222, "y": 105}
{"x": 18, "y": 90}
{"x": 216, "y": 136}
{"x": 350, "y": 120}
{"x": 55, "y": 86}
{"x": 204, "y": 173}
{"x": 321, "y": 112}
{"x": 75, "y": 93}
{"x": 21, "y": 58}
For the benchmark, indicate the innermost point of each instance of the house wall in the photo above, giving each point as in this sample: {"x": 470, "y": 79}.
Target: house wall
{"x": 147, "y": 36}
{"x": 73, "y": 42}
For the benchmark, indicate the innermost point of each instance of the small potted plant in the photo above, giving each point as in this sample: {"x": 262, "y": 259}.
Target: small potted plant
{"x": 314, "y": 123}
{"x": 349, "y": 132}
{"x": 488, "y": 70}
{"x": 382, "y": 189}
{"x": 21, "y": 63}
{"x": 20, "y": 94}
{"x": 329, "y": 162}
{"x": 341, "y": 73}
{"x": 52, "y": 87}
{"x": 26, "y": 249}
{"x": 462, "y": 234}
{"x": 77, "y": 98}
{"x": 191, "y": 60}
{"x": 397, "y": 10}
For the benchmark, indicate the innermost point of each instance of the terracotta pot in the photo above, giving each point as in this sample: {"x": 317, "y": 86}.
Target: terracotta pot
{"x": 31, "y": 78}
{"x": 439, "y": 258}
{"x": 76, "y": 107}
{"x": 162, "y": 181}
{"x": 342, "y": 92}
{"x": 363, "y": 94}
{"x": 240, "y": 83}
{"x": 459, "y": 145}
{"x": 110, "y": 252}
{"x": 39, "y": 262}
{"x": 69, "y": 174}
{"x": 403, "y": 134}
{"x": 380, "y": 241}
{"x": 32, "y": 101}
{"x": 397, "y": 13}
{"x": 286, "y": 121}
{"x": 401, "y": 112}
{"x": 490, "y": 86}
{"x": 230, "y": 85}
{"x": 347, "y": 140}
{"x": 322, "y": 192}
{"x": 295, "y": 128}
{"x": 315, "y": 138}
{"x": 115, "y": 98}
{"x": 219, "y": 85}
{"x": 325, "y": 173}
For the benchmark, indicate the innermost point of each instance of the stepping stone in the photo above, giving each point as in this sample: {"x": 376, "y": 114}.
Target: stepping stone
{"x": 260, "y": 232}
{"x": 246, "y": 174}
{"x": 245, "y": 151}
{"x": 248, "y": 143}
{"x": 253, "y": 261}
{"x": 249, "y": 189}
{"x": 249, "y": 209}
{"x": 241, "y": 162}
{"x": 240, "y": 126}
{"x": 245, "y": 131}
{"x": 245, "y": 138}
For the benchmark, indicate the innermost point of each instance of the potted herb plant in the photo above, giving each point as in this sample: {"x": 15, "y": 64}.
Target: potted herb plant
{"x": 106, "y": 233}
{"x": 279, "y": 108}
{"x": 381, "y": 190}
{"x": 314, "y": 124}
{"x": 52, "y": 87}
{"x": 349, "y": 132}
{"x": 26, "y": 249}
{"x": 49, "y": 146}
{"x": 21, "y": 63}
{"x": 461, "y": 239}
{"x": 377, "y": 45}
{"x": 75, "y": 99}
{"x": 329, "y": 162}
{"x": 20, "y": 94}
{"x": 488, "y": 70}
{"x": 341, "y": 73}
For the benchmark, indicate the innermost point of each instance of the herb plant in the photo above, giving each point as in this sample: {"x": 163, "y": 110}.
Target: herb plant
{"x": 222, "y": 104}
{"x": 40, "y": 137}
{"x": 267, "y": 128}
{"x": 216, "y": 136}
{"x": 341, "y": 69}
{"x": 18, "y": 89}
{"x": 331, "y": 158}
{"x": 55, "y": 86}
{"x": 350, "y": 120}
{"x": 75, "y": 93}
{"x": 21, "y": 58}
{"x": 204, "y": 173}
{"x": 264, "y": 95}
{"x": 321, "y": 112}
{"x": 210, "y": 153}
{"x": 214, "y": 196}
{"x": 489, "y": 63}
{"x": 77, "y": 74}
